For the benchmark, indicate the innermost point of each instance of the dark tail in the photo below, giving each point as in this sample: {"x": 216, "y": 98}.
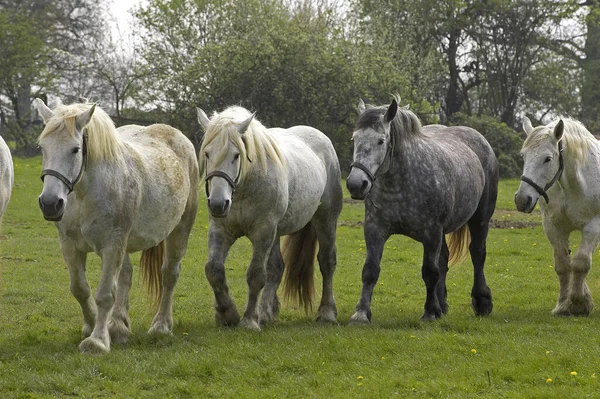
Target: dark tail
{"x": 458, "y": 245}
{"x": 298, "y": 252}
{"x": 151, "y": 263}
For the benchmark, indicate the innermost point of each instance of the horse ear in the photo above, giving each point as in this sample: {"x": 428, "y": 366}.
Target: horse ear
{"x": 45, "y": 112}
{"x": 527, "y": 127}
{"x": 202, "y": 118}
{"x": 243, "y": 126}
{"x": 559, "y": 129}
{"x": 361, "y": 106}
{"x": 390, "y": 114}
{"x": 84, "y": 118}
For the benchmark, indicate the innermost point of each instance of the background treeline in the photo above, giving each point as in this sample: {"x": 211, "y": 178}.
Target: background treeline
{"x": 481, "y": 63}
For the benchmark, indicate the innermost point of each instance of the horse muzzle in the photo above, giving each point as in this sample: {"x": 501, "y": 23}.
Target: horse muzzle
{"x": 357, "y": 186}
{"x": 52, "y": 207}
{"x": 219, "y": 209}
{"x": 525, "y": 203}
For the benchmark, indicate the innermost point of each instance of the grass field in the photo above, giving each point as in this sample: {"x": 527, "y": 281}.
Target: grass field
{"x": 518, "y": 351}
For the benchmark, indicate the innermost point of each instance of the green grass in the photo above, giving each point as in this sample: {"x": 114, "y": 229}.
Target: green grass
{"x": 510, "y": 354}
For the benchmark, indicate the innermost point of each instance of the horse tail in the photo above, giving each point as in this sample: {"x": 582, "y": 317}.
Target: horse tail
{"x": 151, "y": 263}
{"x": 298, "y": 251}
{"x": 458, "y": 245}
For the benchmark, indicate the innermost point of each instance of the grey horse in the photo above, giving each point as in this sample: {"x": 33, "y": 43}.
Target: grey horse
{"x": 423, "y": 182}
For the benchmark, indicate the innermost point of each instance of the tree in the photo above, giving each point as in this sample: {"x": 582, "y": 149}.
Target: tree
{"x": 590, "y": 89}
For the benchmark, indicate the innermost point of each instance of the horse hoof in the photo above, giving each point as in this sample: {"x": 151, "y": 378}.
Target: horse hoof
{"x": 359, "y": 319}
{"x": 160, "y": 328}
{"x": 250, "y": 324}
{"x": 119, "y": 332}
{"x": 427, "y": 317}
{"x": 482, "y": 306}
{"x": 93, "y": 345}
{"x": 327, "y": 315}
{"x": 229, "y": 318}
{"x": 581, "y": 306}
{"x": 561, "y": 309}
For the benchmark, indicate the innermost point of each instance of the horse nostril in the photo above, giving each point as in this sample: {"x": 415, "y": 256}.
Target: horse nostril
{"x": 529, "y": 200}
{"x": 60, "y": 204}
{"x": 227, "y": 202}
{"x": 364, "y": 185}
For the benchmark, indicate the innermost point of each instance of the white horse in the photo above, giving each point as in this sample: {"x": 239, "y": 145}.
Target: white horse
{"x": 114, "y": 192}
{"x": 6, "y": 176}
{"x": 263, "y": 184}
{"x": 562, "y": 165}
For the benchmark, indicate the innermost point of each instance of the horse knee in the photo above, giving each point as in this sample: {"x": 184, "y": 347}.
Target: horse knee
{"x": 581, "y": 263}
{"x": 81, "y": 293}
{"x": 256, "y": 278}
{"x": 215, "y": 273}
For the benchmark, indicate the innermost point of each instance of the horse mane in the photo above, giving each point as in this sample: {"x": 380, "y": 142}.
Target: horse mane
{"x": 404, "y": 124}
{"x": 255, "y": 145}
{"x": 102, "y": 140}
{"x": 577, "y": 140}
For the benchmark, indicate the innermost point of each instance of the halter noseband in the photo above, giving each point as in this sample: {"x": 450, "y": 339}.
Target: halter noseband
{"x": 70, "y": 184}
{"x": 218, "y": 173}
{"x": 542, "y": 191}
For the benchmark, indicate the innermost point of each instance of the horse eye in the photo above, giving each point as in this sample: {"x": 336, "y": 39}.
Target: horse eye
{"x": 548, "y": 159}
{"x": 206, "y": 155}
{"x": 75, "y": 150}
{"x": 381, "y": 141}
{"x": 236, "y": 157}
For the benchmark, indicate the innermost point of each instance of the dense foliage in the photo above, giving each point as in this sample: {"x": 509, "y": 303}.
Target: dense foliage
{"x": 305, "y": 61}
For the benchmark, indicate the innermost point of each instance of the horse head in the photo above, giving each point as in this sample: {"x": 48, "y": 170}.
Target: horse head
{"x": 373, "y": 144}
{"x": 543, "y": 164}
{"x": 222, "y": 164}
{"x": 64, "y": 154}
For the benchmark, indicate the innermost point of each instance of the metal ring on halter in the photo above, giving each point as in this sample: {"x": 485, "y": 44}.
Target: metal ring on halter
{"x": 70, "y": 184}
{"x": 542, "y": 191}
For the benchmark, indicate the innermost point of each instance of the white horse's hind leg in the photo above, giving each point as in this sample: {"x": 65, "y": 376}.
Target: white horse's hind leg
{"x": 326, "y": 234}
{"x": 99, "y": 340}
{"x": 269, "y": 303}
{"x": 177, "y": 243}
{"x": 119, "y": 325}
{"x": 79, "y": 286}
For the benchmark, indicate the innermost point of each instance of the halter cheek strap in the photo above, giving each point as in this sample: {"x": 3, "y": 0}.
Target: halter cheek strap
{"x": 542, "y": 191}
{"x": 70, "y": 184}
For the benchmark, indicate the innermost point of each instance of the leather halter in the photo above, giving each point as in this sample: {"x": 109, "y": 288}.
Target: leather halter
{"x": 218, "y": 173}
{"x": 542, "y": 191}
{"x": 369, "y": 174}
{"x": 70, "y": 184}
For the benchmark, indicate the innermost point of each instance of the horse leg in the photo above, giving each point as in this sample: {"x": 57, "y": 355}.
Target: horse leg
{"x": 562, "y": 266}
{"x": 441, "y": 291}
{"x": 99, "y": 340}
{"x": 481, "y": 295}
{"x": 431, "y": 275}
{"x": 256, "y": 275}
{"x": 327, "y": 258}
{"x": 79, "y": 286}
{"x": 226, "y": 313}
{"x": 580, "y": 299}
{"x": 269, "y": 303}
{"x": 119, "y": 325}
{"x": 176, "y": 247}
{"x": 374, "y": 241}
